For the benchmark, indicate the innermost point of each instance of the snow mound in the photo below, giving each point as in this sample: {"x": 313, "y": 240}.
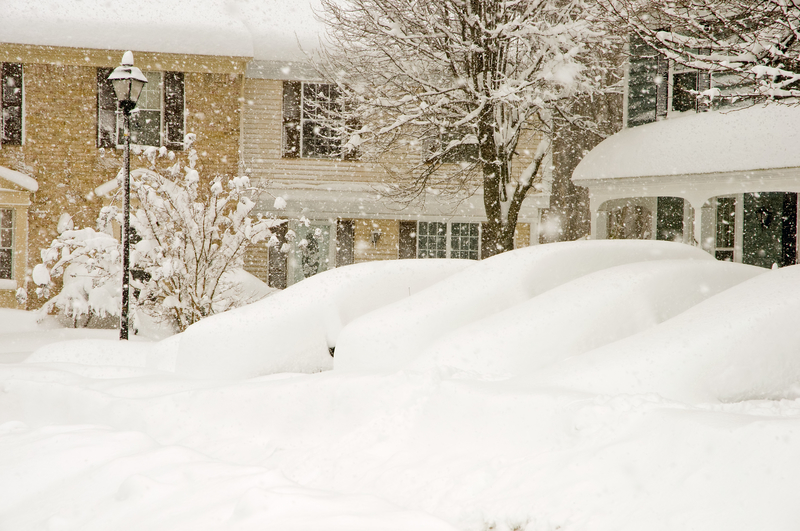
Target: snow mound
{"x": 293, "y": 330}
{"x": 389, "y": 338}
{"x": 741, "y": 344}
{"x": 171, "y": 488}
{"x": 574, "y": 318}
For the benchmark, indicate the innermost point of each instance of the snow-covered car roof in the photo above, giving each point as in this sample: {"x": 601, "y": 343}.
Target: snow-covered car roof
{"x": 758, "y": 137}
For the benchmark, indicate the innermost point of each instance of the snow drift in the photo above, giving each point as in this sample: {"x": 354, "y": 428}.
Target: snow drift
{"x": 293, "y": 330}
{"x": 615, "y": 395}
{"x": 578, "y": 316}
{"x": 391, "y": 337}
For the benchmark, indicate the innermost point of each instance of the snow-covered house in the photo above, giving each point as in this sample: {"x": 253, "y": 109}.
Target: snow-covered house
{"x": 284, "y": 143}
{"x": 59, "y": 127}
{"x": 234, "y": 73}
{"x": 726, "y": 177}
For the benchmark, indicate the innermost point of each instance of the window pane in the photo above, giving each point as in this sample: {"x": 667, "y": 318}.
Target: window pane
{"x": 320, "y": 138}
{"x": 669, "y": 218}
{"x": 319, "y": 141}
{"x": 6, "y": 243}
{"x": 432, "y": 241}
{"x": 726, "y": 212}
{"x": 464, "y": 240}
{"x": 146, "y": 128}
{"x": 682, "y": 99}
{"x": 146, "y": 116}
{"x": 724, "y": 256}
{"x": 12, "y": 125}
{"x": 5, "y": 264}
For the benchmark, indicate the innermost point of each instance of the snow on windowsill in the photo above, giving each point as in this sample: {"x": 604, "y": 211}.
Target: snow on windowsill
{"x": 20, "y": 179}
{"x": 7, "y": 283}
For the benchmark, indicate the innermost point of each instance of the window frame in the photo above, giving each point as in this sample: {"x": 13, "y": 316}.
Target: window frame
{"x": 449, "y": 249}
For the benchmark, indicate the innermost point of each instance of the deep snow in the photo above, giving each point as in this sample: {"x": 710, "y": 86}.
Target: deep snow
{"x": 650, "y": 392}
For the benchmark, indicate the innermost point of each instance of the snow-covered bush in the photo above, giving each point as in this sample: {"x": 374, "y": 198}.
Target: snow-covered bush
{"x": 189, "y": 244}
{"x": 90, "y": 265}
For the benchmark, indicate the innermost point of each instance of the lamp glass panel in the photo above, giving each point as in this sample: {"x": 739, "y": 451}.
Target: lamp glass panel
{"x": 122, "y": 88}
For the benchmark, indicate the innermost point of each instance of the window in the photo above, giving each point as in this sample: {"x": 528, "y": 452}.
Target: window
{"x": 6, "y": 243}
{"x": 669, "y": 219}
{"x": 11, "y": 104}
{"x": 146, "y": 116}
{"x": 725, "y": 240}
{"x": 310, "y": 125}
{"x": 157, "y": 120}
{"x": 431, "y": 239}
{"x": 312, "y": 251}
{"x": 645, "y": 76}
{"x": 657, "y": 86}
{"x": 436, "y": 239}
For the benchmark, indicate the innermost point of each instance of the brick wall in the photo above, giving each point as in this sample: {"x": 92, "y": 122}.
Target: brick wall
{"x": 60, "y": 116}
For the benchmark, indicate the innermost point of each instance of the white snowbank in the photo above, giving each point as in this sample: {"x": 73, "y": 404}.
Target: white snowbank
{"x": 739, "y": 345}
{"x": 649, "y": 397}
{"x": 292, "y": 331}
{"x": 391, "y": 337}
{"x": 579, "y": 316}
{"x": 20, "y": 179}
{"x": 755, "y": 138}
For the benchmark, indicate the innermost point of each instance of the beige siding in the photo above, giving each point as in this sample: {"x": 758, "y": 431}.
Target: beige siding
{"x": 386, "y": 249}
{"x": 522, "y": 235}
{"x": 262, "y": 145}
{"x": 262, "y": 123}
{"x": 256, "y": 261}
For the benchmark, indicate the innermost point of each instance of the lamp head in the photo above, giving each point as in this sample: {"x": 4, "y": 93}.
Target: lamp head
{"x": 128, "y": 82}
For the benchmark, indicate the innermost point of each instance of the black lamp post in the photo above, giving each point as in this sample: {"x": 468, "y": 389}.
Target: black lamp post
{"x": 128, "y": 82}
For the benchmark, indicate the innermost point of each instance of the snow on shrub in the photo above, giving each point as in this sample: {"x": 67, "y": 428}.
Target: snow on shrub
{"x": 189, "y": 247}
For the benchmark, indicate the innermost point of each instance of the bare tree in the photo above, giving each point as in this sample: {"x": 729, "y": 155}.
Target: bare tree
{"x": 461, "y": 82}
{"x": 751, "y": 46}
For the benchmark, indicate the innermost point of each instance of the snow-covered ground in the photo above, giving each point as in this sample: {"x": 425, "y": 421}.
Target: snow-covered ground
{"x": 610, "y": 385}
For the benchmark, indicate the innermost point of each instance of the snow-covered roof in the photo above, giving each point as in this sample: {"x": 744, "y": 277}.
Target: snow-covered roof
{"x": 20, "y": 179}
{"x": 264, "y": 29}
{"x": 759, "y": 137}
